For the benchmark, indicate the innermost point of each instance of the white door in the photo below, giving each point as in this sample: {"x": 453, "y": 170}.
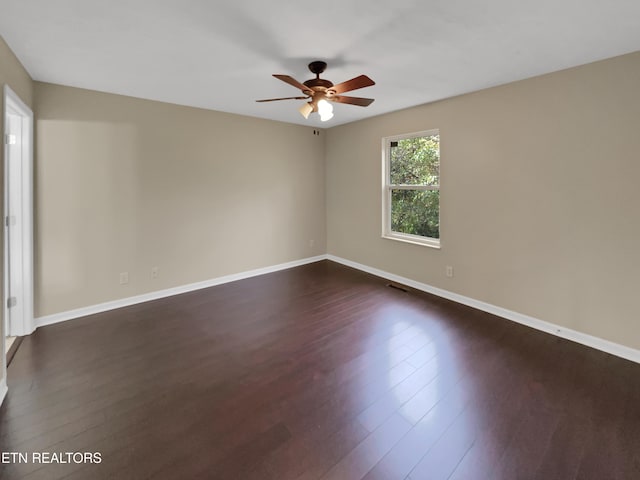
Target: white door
{"x": 13, "y": 225}
{"x": 18, "y": 218}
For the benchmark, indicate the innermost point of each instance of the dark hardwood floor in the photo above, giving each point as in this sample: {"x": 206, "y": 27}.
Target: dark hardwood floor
{"x": 318, "y": 372}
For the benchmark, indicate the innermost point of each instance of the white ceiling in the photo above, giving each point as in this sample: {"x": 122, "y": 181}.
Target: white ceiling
{"x": 220, "y": 54}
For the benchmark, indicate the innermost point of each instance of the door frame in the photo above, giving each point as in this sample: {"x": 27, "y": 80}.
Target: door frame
{"x": 13, "y": 105}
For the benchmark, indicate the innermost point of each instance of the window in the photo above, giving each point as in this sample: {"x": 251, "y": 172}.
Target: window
{"x": 411, "y": 196}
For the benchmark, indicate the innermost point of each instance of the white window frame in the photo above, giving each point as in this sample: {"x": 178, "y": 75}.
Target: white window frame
{"x": 387, "y": 187}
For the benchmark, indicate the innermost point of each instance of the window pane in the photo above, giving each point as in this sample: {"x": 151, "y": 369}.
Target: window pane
{"x": 416, "y": 212}
{"x": 415, "y": 161}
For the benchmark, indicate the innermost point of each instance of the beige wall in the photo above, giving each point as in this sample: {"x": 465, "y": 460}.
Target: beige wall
{"x": 540, "y": 197}
{"x": 12, "y": 73}
{"x": 124, "y": 185}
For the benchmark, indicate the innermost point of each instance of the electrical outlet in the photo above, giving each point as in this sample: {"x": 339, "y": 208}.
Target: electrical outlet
{"x": 124, "y": 278}
{"x": 155, "y": 271}
{"x": 312, "y": 243}
{"x": 449, "y": 271}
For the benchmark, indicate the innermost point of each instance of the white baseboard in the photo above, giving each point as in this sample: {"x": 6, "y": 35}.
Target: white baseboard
{"x": 563, "y": 332}
{"x": 146, "y": 297}
{"x": 3, "y": 389}
{"x": 573, "y": 335}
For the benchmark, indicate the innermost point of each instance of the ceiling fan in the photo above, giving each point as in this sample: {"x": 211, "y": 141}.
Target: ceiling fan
{"x": 320, "y": 92}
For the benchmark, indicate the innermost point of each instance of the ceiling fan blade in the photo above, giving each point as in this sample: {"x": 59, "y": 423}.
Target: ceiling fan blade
{"x": 361, "y": 102}
{"x": 285, "y": 98}
{"x": 293, "y": 82}
{"x": 353, "y": 84}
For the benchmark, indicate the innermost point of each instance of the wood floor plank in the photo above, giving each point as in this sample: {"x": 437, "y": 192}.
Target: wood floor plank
{"x": 317, "y": 372}
{"x": 410, "y": 450}
{"x": 362, "y": 458}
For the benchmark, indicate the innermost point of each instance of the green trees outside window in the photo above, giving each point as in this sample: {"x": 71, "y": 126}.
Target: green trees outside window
{"x": 413, "y": 185}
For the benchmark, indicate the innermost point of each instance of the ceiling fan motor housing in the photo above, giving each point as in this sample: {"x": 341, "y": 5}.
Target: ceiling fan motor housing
{"x": 318, "y": 67}
{"x": 318, "y": 82}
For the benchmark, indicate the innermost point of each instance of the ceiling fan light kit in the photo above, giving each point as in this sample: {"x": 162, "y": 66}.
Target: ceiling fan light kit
{"x": 306, "y": 109}
{"x": 325, "y": 109}
{"x": 320, "y": 92}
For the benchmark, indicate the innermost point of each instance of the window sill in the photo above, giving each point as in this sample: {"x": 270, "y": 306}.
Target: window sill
{"x": 413, "y": 239}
